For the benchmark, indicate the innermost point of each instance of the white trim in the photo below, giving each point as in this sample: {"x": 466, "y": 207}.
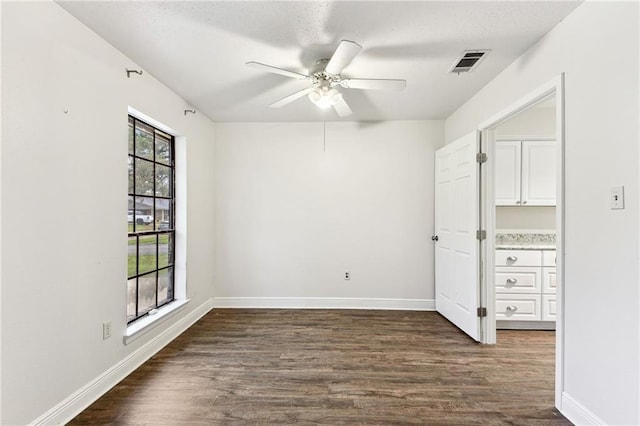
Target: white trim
{"x": 488, "y": 245}
{"x": 89, "y": 393}
{"x": 144, "y": 325}
{"x": 524, "y": 103}
{"x": 560, "y": 235}
{"x": 1, "y": 133}
{"x": 555, "y": 88}
{"x": 324, "y": 303}
{"x": 149, "y": 120}
{"x": 525, "y": 325}
{"x": 578, "y": 413}
{"x": 525, "y": 138}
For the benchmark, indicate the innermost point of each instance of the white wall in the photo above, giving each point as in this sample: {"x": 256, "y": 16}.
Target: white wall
{"x": 597, "y": 47}
{"x": 64, "y": 183}
{"x": 535, "y": 121}
{"x": 293, "y": 214}
{"x": 542, "y": 218}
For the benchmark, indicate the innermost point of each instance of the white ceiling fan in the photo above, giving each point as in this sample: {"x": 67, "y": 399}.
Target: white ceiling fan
{"x": 326, "y": 80}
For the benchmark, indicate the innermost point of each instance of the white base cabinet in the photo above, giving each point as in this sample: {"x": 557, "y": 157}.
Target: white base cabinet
{"x": 526, "y": 285}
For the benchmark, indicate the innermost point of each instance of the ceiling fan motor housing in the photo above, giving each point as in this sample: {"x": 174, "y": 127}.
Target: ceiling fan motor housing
{"x": 319, "y": 66}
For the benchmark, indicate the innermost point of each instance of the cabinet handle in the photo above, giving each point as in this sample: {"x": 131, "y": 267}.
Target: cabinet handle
{"x": 517, "y": 202}
{"x": 512, "y": 258}
{"x": 512, "y": 308}
{"x": 511, "y": 281}
{"x": 524, "y": 202}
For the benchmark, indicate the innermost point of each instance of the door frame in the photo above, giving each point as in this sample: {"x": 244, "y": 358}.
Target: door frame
{"x": 555, "y": 88}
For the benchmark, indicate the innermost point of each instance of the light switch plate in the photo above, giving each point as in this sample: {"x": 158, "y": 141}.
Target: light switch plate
{"x": 106, "y": 330}
{"x": 617, "y": 197}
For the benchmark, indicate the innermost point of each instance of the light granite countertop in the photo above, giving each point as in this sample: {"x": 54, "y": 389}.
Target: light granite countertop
{"x": 525, "y": 241}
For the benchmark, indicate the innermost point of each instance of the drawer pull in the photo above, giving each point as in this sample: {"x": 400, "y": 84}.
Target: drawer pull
{"x": 511, "y": 281}
{"x": 512, "y": 258}
{"x": 512, "y": 308}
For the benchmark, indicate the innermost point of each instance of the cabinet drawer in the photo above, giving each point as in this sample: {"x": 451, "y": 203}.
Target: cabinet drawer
{"x": 518, "y": 258}
{"x": 518, "y": 307}
{"x": 548, "y": 258}
{"x": 548, "y": 307}
{"x": 518, "y": 279}
{"x": 549, "y": 283}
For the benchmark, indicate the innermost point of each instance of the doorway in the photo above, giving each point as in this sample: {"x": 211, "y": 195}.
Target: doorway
{"x": 524, "y": 186}
{"x": 547, "y": 212}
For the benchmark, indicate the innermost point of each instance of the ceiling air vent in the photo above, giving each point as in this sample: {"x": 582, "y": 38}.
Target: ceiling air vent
{"x": 468, "y": 61}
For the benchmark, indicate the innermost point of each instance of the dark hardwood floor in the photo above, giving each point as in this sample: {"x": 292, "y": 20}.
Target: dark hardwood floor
{"x": 336, "y": 367}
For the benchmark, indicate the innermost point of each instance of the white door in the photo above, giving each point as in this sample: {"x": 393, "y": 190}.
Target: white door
{"x": 507, "y": 173}
{"x": 539, "y": 173}
{"x": 456, "y": 248}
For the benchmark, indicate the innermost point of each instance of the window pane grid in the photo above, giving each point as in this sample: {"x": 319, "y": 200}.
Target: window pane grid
{"x": 151, "y": 219}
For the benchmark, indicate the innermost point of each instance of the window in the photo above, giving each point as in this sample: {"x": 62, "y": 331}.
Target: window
{"x": 150, "y": 218}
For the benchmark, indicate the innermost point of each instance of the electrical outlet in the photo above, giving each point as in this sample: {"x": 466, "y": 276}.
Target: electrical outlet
{"x": 347, "y": 275}
{"x": 106, "y": 330}
{"x": 617, "y": 198}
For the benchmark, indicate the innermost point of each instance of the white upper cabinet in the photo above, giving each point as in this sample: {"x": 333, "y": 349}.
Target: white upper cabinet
{"x": 525, "y": 173}
{"x": 539, "y": 173}
{"x": 508, "y": 161}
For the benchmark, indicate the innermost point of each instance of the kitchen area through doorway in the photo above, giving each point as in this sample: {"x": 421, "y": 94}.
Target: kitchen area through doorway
{"x": 525, "y": 185}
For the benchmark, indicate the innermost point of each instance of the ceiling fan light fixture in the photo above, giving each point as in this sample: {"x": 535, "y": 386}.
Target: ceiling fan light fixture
{"x": 324, "y": 97}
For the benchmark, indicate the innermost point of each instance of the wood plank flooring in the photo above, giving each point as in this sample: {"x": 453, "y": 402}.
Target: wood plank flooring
{"x": 336, "y": 367}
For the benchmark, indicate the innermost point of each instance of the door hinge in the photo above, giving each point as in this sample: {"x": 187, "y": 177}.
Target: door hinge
{"x": 482, "y": 312}
{"x": 481, "y": 235}
{"x": 481, "y": 157}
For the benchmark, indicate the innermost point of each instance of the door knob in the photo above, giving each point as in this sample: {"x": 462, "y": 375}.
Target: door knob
{"x": 434, "y": 238}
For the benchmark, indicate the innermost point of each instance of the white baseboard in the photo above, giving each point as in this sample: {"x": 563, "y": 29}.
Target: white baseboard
{"x": 577, "y": 413}
{"x": 324, "y": 303}
{"x": 525, "y": 325}
{"x": 85, "y": 396}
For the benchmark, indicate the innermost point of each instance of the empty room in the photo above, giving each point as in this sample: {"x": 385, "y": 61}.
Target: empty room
{"x": 338, "y": 212}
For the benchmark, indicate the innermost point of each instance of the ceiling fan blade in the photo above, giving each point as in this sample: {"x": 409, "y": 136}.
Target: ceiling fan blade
{"x": 342, "y": 108}
{"x": 292, "y": 97}
{"x": 373, "y": 84}
{"x": 277, "y": 70}
{"x": 344, "y": 54}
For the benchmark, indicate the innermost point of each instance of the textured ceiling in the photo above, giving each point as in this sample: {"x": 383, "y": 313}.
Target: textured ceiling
{"x": 199, "y": 50}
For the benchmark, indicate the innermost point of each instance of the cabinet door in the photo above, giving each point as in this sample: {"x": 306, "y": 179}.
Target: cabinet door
{"x": 548, "y": 307}
{"x": 539, "y": 173}
{"x": 549, "y": 282}
{"x": 507, "y": 169}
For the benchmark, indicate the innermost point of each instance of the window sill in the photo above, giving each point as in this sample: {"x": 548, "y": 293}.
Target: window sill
{"x": 148, "y": 323}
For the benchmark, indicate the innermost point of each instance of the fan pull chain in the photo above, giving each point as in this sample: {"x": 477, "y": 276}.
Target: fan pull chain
{"x": 324, "y": 136}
